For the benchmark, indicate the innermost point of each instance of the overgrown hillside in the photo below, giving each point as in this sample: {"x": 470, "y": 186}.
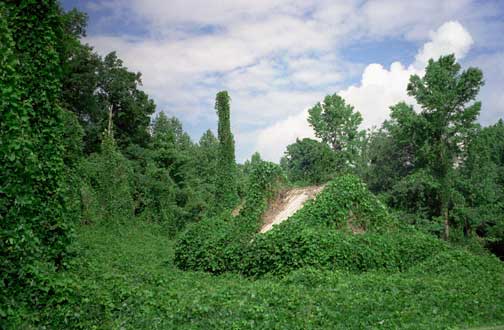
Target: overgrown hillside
{"x": 113, "y": 217}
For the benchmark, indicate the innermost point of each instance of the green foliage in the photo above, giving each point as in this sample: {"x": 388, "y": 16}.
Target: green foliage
{"x": 310, "y": 237}
{"x": 416, "y": 158}
{"x": 173, "y": 181}
{"x": 244, "y": 172}
{"x": 445, "y": 95}
{"x": 393, "y": 150}
{"x": 285, "y": 249}
{"x": 345, "y": 203}
{"x": 93, "y": 85}
{"x": 124, "y": 278}
{"x": 34, "y": 228}
{"x": 207, "y": 159}
{"x": 215, "y": 244}
{"x": 226, "y": 189}
{"x": 481, "y": 183}
{"x": 417, "y": 194}
{"x": 336, "y": 123}
{"x": 340, "y": 262}
{"x": 309, "y": 162}
{"x": 108, "y": 190}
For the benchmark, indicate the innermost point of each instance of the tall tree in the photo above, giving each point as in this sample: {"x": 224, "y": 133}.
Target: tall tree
{"x": 118, "y": 90}
{"x": 96, "y": 87}
{"x": 337, "y": 124}
{"x": 446, "y": 96}
{"x": 226, "y": 192}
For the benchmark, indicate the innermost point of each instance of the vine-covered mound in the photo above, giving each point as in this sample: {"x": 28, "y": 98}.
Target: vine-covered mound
{"x": 345, "y": 228}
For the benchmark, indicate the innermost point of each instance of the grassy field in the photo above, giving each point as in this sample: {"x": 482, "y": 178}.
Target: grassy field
{"x": 126, "y": 280}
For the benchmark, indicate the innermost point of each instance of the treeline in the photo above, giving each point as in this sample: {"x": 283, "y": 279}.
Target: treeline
{"x": 434, "y": 166}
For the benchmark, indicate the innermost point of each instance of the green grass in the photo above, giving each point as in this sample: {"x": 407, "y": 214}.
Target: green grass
{"x": 124, "y": 278}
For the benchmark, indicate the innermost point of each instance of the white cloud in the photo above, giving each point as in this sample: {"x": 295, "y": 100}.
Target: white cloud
{"x": 271, "y": 141}
{"x": 492, "y": 94}
{"x": 451, "y": 37}
{"x": 379, "y": 88}
{"x": 279, "y": 56}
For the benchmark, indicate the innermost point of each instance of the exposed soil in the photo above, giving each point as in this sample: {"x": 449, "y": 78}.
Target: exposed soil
{"x": 236, "y": 211}
{"x": 286, "y": 204}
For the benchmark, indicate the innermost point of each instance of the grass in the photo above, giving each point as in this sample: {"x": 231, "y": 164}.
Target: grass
{"x": 125, "y": 279}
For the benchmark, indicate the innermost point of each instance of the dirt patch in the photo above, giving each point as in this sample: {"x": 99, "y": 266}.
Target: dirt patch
{"x": 286, "y": 204}
{"x": 236, "y": 211}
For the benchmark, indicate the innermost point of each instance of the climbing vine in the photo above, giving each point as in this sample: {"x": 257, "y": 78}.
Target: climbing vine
{"x": 34, "y": 234}
{"x": 226, "y": 192}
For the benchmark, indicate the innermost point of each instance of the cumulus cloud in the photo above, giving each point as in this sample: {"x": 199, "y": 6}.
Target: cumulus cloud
{"x": 451, "y": 37}
{"x": 271, "y": 141}
{"x": 277, "y": 57}
{"x": 492, "y": 94}
{"x": 379, "y": 88}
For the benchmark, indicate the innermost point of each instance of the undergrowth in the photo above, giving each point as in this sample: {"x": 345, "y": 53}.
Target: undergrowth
{"x": 125, "y": 278}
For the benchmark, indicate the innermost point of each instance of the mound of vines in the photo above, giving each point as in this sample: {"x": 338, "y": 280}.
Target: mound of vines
{"x": 346, "y": 228}
{"x": 214, "y": 244}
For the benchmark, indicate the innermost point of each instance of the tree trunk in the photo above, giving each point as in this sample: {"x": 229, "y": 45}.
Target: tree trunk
{"x": 110, "y": 122}
{"x": 446, "y": 224}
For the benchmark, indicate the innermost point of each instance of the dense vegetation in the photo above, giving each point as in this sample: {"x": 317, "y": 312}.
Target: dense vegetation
{"x": 113, "y": 218}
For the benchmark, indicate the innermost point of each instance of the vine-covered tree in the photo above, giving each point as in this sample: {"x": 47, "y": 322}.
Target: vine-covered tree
{"x": 226, "y": 190}
{"x": 33, "y": 228}
{"x": 337, "y": 124}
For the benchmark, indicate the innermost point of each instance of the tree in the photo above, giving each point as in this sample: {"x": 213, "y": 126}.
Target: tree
{"x": 94, "y": 87}
{"x": 309, "y": 161}
{"x": 207, "y": 155}
{"x": 445, "y": 95}
{"x": 337, "y": 124}
{"x": 481, "y": 182}
{"x": 118, "y": 90}
{"x": 393, "y": 150}
{"x": 226, "y": 193}
{"x": 110, "y": 176}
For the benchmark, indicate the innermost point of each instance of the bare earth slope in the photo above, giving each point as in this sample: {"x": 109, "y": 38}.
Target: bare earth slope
{"x": 286, "y": 204}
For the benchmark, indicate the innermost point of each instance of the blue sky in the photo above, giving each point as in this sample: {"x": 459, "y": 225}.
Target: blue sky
{"x": 277, "y": 58}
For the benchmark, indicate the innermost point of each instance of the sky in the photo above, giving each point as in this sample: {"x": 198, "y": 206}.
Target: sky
{"x": 278, "y": 58}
